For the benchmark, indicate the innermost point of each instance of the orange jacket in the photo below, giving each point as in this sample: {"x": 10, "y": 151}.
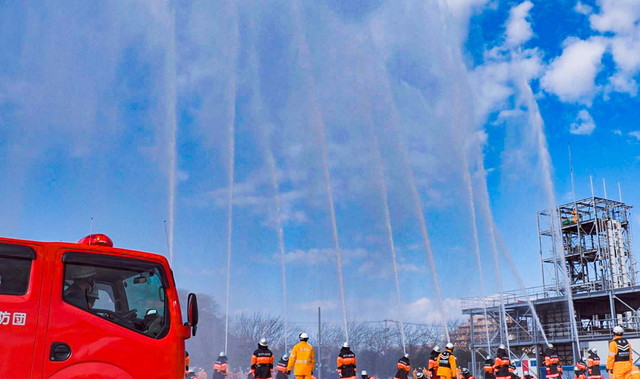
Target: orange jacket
{"x": 447, "y": 365}
{"x": 618, "y": 352}
{"x": 302, "y": 359}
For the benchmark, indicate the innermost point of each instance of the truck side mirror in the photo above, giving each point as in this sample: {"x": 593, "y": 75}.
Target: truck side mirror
{"x": 192, "y": 313}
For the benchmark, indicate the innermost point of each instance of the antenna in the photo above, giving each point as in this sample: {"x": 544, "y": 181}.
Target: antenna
{"x": 90, "y": 228}
{"x": 593, "y": 194}
{"x": 620, "y": 192}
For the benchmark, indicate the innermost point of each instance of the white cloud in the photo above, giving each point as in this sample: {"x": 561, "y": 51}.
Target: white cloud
{"x": 619, "y": 16}
{"x": 427, "y": 310}
{"x": 572, "y": 75}
{"x": 617, "y": 132}
{"x": 493, "y": 81}
{"x": 313, "y": 257}
{"x": 583, "y": 8}
{"x": 626, "y": 55}
{"x": 620, "y": 19}
{"x": 518, "y": 27}
{"x": 635, "y": 134}
{"x": 584, "y": 124}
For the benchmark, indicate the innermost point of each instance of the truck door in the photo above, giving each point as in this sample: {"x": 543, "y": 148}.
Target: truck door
{"x": 20, "y": 290}
{"x": 109, "y": 319}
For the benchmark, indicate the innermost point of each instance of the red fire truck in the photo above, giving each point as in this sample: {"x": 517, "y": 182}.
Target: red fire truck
{"x": 89, "y": 310}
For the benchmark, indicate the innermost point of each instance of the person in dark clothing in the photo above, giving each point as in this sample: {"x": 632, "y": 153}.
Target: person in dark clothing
{"x": 580, "y": 370}
{"x": 220, "y": 367}
{"x": 404, "y": 367}
{"x": 281, "y": 368}
{"x": 262, "y": 361}
{"x": 346, "y": 362}
{"x": 83, "y": 282}
{"x": 466, "y": 374}
{"x": 552, "y": 363}
{"x": 502, "y": 362}
{"x": 433, "y": 362}
{"x": 489, "y": 372}
{"x": 593, "y": 365}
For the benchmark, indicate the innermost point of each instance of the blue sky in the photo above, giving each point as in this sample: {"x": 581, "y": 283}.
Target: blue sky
{"x": 108, "y": 109}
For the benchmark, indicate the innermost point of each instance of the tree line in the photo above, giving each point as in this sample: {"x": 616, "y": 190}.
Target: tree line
{"x": 377, "y": 344}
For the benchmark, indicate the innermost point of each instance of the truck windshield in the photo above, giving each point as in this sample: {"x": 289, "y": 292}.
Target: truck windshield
{"x": 132, "y": 295}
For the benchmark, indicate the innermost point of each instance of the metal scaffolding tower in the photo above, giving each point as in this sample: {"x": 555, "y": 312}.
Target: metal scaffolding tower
{"x": 596, "y": 245}
{"x": 596, "y": 241}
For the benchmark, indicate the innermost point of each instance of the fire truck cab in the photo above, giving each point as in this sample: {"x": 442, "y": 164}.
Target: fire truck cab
{"x": 89, "y": 310}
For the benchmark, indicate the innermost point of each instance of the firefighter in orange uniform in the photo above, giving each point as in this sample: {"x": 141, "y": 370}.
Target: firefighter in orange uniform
{"x": 620, "y": 358}
{"x": 580, "y": 370}
{"x": 502, "y": 362}
{"x": 433, "y": 362}
{"x": 302, "y": 359}
{"x": 447, "y": 366}
{"x": 281, "y": 367}
{"x": 262, "y": 361}
{"x": 466, "y": 374}
{"x": 635, "y": 372}
{"x": 346, "y": 362}
{"x": 593, "y": 364}
{"x": 404, "y": 366}
{"x": 220, "y": 366}
{"x": 488, "y": 368}
{"x": 552, "y": 362}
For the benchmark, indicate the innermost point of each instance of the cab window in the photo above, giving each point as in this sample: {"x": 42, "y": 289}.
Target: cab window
{"x": 125, "y": 291}
{"x": 15, "y": 269}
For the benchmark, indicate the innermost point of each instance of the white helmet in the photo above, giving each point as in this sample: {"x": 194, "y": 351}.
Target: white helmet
{"x": 285, "y": 357}
{"x": 364, "y": 372}
{"x": 436, "y": 349}
{"x": 449, "y": 346}
{"x": 594, "y": 350}
{"x": 501, "y": 347}
{"x": 419, "y": 374}
{"x": 406, "y": 355}
{"x": 550, "y": 346}
{"x": 81, "y": 272}
{"x": 221, "y": 354}
{"x": 303, "y": 336}
{"x": 263, "y": 342}
{"x": 618, "y": 330}
{"x": 345, "y": 345}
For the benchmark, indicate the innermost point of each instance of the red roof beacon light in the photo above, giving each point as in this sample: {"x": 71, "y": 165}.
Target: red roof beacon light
{"x": 97, "y": 239}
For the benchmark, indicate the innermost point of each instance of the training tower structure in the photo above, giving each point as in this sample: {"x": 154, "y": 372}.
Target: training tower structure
{"x": 590, "y": 240}
{"x": 596, "y": 242}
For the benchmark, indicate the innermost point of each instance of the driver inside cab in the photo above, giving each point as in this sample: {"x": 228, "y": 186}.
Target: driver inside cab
{"x": 81, "y": 292}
